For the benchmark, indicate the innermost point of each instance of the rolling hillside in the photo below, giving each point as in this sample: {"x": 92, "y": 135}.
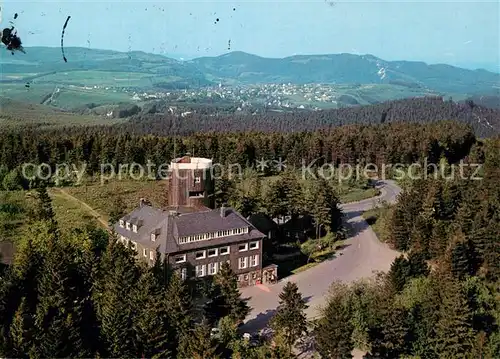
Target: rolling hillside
{"x": 40, "y": 63}
{"x": 348, "y": 69}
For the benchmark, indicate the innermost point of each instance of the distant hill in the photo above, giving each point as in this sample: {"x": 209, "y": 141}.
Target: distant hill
{"x": 243, "y": 68}
{"x": 348, "y": 69}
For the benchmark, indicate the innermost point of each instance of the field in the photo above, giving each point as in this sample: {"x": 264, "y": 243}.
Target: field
{"x": 102, "y": 198}
{"x": 70, "y": 208}
{"x": 14, "y": 113}
{"x": 101, "y": 78}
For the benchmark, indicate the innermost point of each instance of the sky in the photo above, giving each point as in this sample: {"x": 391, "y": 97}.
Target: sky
{"x": 459, "y": 33}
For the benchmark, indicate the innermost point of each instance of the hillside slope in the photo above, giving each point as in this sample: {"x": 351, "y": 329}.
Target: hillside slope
{"x": 243, "y": 68}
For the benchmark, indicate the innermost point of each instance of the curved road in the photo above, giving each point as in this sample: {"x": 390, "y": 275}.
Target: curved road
{"x": 363, "y": 255}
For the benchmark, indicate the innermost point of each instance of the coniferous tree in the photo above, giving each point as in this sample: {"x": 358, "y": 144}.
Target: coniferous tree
{"x": 21, "y": 333}
{"x": 179, "y": 304}
{"x": 198, "y": 344}
{"x": 45, "y": 211}
{"x": 117, "y": 211}
{"x": 290, "y": 323}
{"x": 333, "y": 331}
{"x": 399, "y": 230}
{"x": 453, "y": 331}
{"x": 151, "y": 322}
{"x": 115, "y": 307}
{"x": 417, "y": 264}
{"x": 58, "y": 313}
{"x": 225, "y": 297}
{"x": 399, "y": 273}
{"x": 393, "y": 340}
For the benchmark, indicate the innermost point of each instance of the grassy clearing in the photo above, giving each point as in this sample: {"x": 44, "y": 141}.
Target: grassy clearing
{"x": 129, "y": 192}
{"x": 70, "y": 214}
{"x": 13, "y": 214}
{"x": 378, "y": 219}
{"x": 354, "y": 194}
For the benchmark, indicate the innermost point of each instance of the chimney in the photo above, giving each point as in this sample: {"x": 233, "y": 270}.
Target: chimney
{"x": 223, "y": 211}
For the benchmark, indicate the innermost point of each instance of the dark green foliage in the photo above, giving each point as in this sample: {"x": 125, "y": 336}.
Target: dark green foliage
{"x": 400, "y": 232}
{"x": 333, "y": 331}
{"x": 198, "y": 344}
{"x": 289, "y": 323}
{"x": 179, "y": 303}
{"x": 117, "y": 211}
{"x": 151, "y": 325}
{"x": 393, "y": 339}
{"x": 453, "y": 332}
{"x": 44, "y": 211}
{"x": 399, "y": 273}
{"x": 224, "y": 297}
{"x": 115, "y": 305}
{"x": 463, "y": 258}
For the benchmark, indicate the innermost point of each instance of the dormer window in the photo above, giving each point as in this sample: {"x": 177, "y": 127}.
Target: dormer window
{"x": 197, "y": 180}
{"x": 153, "y": 237}
{"x": 128, "y": 225}
{"x": 134, "y": 228}
{"x": 122, "y": 223}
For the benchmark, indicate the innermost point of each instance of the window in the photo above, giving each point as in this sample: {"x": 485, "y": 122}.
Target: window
{"x": 152, "y": 255}
{"x": 144, "y": 252}
{"x": 200, "y": 255}
{"x": 183, "y": 273}
{"x": 212, "y": 252}
{"x": 200, "y": 270}
{"x": 128, "y": 225}
{"x": 246, "y": 277}
{"x": 243, "y": 247}
{"x": 223, "y": 251}
{"x": 134, "y": 245}
{"x": 122, "y": 223}
{"x": 212, "y": 268}
{"x": 254, "y": 276}
{"x": 180, "y": 259}
{"x": 134, "y": 228}
{"x": 242, "y": 262}
{"x": 254, "y": 260}
{"x": 254, "y": 245}
{"x": 197, "y": 180}
{"x": 153, "y": 237}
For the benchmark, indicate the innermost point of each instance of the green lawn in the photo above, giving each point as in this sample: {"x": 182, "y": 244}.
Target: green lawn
{"x": 378, "y": 219}
{"x": 353, "y": 194}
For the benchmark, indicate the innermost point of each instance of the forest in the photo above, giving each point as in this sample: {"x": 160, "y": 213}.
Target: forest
{"x": 82, "y": 294}
{"x": 399, "y": 142}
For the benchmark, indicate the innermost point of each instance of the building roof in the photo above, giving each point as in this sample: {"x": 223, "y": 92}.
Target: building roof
{"x": 169, "y": 226}
{"x": 262, "y": 222}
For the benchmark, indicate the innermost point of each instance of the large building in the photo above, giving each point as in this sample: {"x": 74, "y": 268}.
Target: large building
{"x": 193, "y": 238}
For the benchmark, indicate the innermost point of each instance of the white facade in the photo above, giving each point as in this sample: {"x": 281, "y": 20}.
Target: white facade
{"x": 196, "y": 163}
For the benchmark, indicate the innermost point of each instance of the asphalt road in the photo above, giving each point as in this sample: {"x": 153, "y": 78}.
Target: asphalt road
{"x": 363, "y": 255}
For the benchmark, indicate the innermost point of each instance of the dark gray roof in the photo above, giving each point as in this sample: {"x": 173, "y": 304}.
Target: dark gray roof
{"x": 209, "y": 221}
{"x": 262, "y": 222}
{"x": 172, "y": 226}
